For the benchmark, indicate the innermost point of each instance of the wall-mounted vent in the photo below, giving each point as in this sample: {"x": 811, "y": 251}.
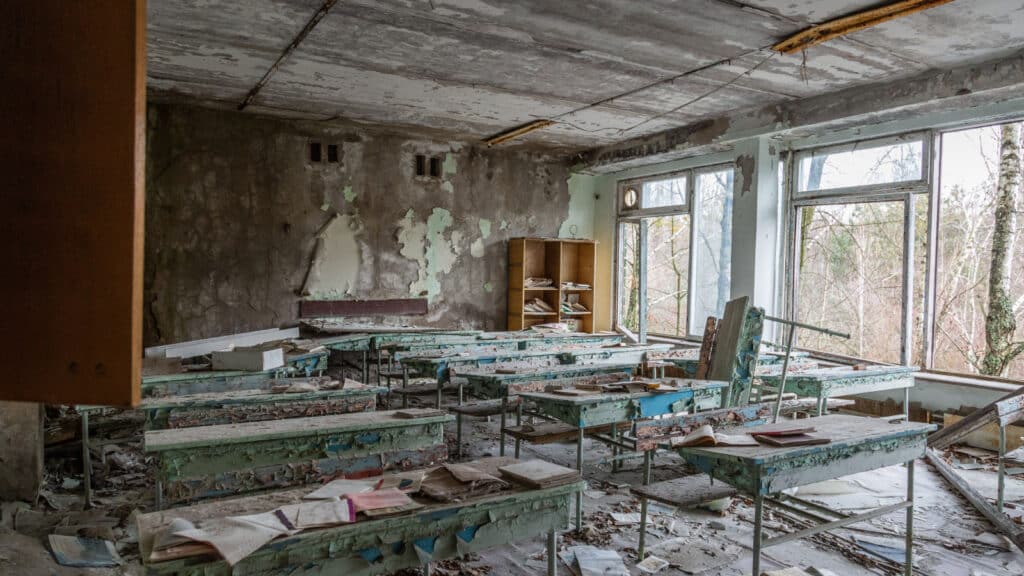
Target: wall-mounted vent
{"x": 332, "y": 153}
{"x": 428, "y": 166}
{"x": 435, "y": 167}
{"x": 315, "y": 152}
{"x": 421, "y": 165}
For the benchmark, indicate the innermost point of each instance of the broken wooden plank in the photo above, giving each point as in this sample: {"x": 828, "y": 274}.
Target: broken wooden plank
{"x": 707, "y": 346}
{"x": 686, "y": 491}
{"x": 388, "y": 307}
{"x": 214, "y": 461}
{"x": 950, "y": 435}
{"x": 195, "y": 348}
{"x": 999, "y": 519}
{"x": 987, "y": 436}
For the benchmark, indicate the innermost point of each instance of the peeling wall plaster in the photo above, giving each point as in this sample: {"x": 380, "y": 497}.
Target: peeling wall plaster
{"x": 234, "y": 207}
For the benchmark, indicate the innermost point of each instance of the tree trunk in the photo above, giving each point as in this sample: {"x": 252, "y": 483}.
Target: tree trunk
{"x": 1000, "y": 324}
{"x": 813, "y": 182}
{"x": 632, "y": 312}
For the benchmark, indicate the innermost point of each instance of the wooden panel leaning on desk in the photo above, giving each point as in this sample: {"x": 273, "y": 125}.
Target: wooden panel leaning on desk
{"x": 215, "y": 461}
{"x": 857, "y": 444}
{"x": 382, "y": 545}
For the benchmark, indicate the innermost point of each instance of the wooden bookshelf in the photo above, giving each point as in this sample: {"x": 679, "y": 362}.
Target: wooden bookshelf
{"x": 560, "y": 260}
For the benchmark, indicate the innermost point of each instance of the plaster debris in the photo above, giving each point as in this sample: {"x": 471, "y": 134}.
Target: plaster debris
{"x": 426, "y": 244}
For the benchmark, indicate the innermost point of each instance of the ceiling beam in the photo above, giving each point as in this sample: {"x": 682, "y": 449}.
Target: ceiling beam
{"x": 852, "y": 23}
{"x": 317, "y": 17}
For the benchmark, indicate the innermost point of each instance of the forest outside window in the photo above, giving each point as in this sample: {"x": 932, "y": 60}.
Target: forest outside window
{"x": 677, "y": 236}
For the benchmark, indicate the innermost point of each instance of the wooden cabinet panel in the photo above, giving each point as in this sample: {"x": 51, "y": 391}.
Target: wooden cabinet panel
{"x": 73, "y": 146}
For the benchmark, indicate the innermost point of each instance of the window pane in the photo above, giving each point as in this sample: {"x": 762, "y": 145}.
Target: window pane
{"x": 668, "y": 262}
{"x": 838, "y": 168}
{"x": 629, "y": 276}
{"x": 713, "y": 249}
{"x": 661, "y": 193}
{"x": 851, "y": 278}
{"x": 970, "y": 173}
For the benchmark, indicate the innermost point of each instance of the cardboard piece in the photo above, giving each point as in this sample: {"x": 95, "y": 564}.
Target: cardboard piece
{"x": 539, "y": 474}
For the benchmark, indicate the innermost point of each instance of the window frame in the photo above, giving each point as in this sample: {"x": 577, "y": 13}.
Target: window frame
{"x": 641, "y": 216}
{"x": 906, "y": 192}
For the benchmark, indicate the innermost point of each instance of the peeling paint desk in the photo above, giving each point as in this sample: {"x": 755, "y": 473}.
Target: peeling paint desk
{"x": 614, "y": 408}
{"x": 858, "y": 444}
{"x": 352, "y": 343}
{"x": 254, "y": 405}
{"x": 228, "y": 459}
{"x": 635, "y": 353}
{"x": 845, "y": 381}
{"x": 202, "y": 381}
{"x": 374, "y": 546}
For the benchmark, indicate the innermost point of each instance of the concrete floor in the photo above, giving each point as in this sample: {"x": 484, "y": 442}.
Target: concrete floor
{"x": 944, "y": 524}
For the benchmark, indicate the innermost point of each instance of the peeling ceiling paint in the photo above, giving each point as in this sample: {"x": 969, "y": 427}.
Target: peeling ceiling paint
{"x": 470, "y": 68}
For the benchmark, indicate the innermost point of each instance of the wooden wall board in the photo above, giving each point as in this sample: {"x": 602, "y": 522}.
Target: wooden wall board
{"x": 391, "y": 307}
{"x": 74, "y": 156}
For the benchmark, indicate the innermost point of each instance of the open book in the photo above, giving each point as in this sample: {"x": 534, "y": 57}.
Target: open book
{"x": 706, "y": 436}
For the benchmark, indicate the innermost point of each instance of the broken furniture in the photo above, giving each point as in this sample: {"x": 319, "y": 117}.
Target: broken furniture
{"x": 569, "y": 265}
{"x": 857, "y": 444}
{"x": 352, "y": 343}
{"x": 227, "y": 459}
{"x": 823, "y": 383}
{"x": 500, "y": 395}
{"x": 383, "y": 342}
{"x": 373, "y": 545}
{"x": 493, "y": 385}
{"x": 634, "y": 353}
{"x": 202, "y": 381}
{"x": 238, "y": 406}
{"x": 594, "y": 409}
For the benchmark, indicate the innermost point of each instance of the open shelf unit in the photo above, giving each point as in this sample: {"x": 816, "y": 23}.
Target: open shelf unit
{"x": 560, "y": 260}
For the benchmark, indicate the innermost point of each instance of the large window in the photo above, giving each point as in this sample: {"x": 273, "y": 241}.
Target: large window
{"x": 854, "y": 209}
{"x": 922, "y": 272}
{"x": 675, "y": 235}
{"x": 979, "y": 297}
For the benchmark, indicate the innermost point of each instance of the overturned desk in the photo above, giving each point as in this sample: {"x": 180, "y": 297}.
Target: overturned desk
{"x": 381, "y": 545}
{"x": 857, "y": 444}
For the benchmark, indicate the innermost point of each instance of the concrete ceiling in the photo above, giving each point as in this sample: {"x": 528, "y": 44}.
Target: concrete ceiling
{"x": 472, "y": 68}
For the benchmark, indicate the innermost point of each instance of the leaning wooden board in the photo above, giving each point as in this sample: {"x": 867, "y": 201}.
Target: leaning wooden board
{"x": 215, "y": 461}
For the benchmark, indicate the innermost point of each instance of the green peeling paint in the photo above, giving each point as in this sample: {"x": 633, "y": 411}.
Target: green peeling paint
{"x": 488, "y": 287}
{"x": 485, "y": 227}
{"x": 504, "y": 224}
{"x": 350, "y": 194}
{"x": 447, "y": 187}
{"x": 426, "y": 244}
{"x": 449, "y": 165}
{"x": 581, "y": 208}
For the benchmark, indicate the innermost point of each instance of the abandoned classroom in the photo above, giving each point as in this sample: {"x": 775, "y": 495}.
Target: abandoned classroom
{"x": 513, "y": 287}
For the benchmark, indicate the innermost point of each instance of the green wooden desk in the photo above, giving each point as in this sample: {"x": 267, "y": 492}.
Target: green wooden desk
{"x": 230, "y": 459}
{"x": 635, "y": 353}
{"x": 374, "y": 546}
{"x": 254, "y": 406}
{"x": 203, "y": 381}
{"x": 858, "y": 444}
{"x": 845, "y": 381}
{"x": 613, "y": 408}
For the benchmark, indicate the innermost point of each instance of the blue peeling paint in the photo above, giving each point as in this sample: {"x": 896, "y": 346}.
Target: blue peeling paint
{"x": 368, "y": 438}
{"x": 371, "y": 555}
{"x": 426, "y": 545}
{"x": 467, "y": 534}
{"x": 438, "y": 515}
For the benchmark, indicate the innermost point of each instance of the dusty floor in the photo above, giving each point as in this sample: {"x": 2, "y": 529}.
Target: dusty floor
{"x": 951, "y": 539}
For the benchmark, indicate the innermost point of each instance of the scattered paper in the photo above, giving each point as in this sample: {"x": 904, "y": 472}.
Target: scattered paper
{"x": 83, "y": 552}
{"x": 652, "y": 565}
{"x": 235, "y": 538}
{"x": 340, "y": 488}
{"x": 625, "y": 519}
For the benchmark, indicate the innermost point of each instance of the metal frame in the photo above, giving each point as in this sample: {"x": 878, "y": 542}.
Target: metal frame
{"x": 905, "y": 192}
{"x": 641, "y": 216}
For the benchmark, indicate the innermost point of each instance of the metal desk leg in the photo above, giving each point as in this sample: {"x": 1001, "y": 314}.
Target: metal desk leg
{"x": 1002, "y": 467}
{"x": 579, "y": 466}
{"x": 906, "y": 404}
{"x": 519, "y": 422}
{"x": 379, "y": 366}
{"x": 501, "y": 424}
{"x": 427, "y": 571}
{"x": 908, "y": 566}
{"x": 822, "y": 401}
{"x": 366, "y": 367}
{"x": 758, "y": 519}
{"x": 86, "y": 460}
{"x": 405, "y": 386}
{"x": 643, "y": 528}
{"x": 648, "y": 456}
{"x": 440, "y": 391}
{"x": 615, "y": 448}
{"x": 461, "y": 381}
{"x": 552, "y": 553}
{"x": 458, "y": 435}
{"x": 159, "y": 495}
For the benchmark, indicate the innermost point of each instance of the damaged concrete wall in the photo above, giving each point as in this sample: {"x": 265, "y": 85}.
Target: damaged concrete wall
{"x": 236, "y": 213}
